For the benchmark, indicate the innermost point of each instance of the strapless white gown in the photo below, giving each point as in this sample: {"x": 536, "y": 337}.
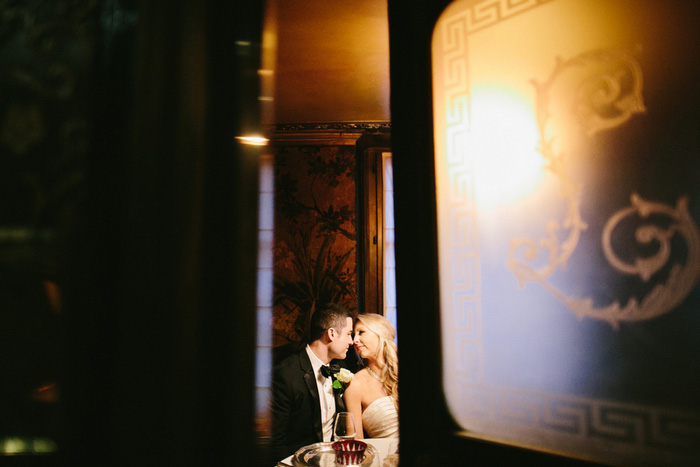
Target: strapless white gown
{"x": 380, "y": 419}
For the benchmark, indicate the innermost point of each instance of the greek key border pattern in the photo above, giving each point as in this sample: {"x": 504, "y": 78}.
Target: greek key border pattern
{"x": 491, "y": 12}
{"x": 550, "y": 414}
{"x": 463, "y": 241}
{"x": 584, "y": 418}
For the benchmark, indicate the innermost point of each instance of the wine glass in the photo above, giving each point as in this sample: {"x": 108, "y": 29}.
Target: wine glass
{"x": 344, "y": 426}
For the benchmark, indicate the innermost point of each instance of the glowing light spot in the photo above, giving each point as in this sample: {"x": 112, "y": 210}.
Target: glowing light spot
{"x": 14, "y": 445}
{"x": 503, "y": 144}
{"x": 253, "y": 140}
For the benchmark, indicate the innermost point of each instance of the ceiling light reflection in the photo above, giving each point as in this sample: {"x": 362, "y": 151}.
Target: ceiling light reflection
{"x": 253, "y": 140}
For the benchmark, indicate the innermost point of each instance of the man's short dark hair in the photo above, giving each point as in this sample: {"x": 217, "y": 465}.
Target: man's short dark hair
{"x": 326, "y": 317}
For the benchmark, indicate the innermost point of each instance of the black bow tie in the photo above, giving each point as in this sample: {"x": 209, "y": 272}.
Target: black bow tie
{"x": 330, "y": 370}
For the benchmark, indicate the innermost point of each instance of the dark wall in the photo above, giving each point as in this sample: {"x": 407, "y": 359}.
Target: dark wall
{"x": 139, "y": 206}
{"x": 163, "y": 310}
{"x": 48, "y": 55}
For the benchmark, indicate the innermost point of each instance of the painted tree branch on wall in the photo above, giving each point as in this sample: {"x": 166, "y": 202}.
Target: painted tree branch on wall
{"x": 315, "y": 239}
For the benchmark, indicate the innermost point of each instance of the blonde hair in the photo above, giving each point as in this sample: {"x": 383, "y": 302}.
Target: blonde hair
{"x": 381, "y": 326}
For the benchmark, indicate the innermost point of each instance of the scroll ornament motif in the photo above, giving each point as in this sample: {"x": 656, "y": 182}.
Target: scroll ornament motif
{"x": 608, "y": 93}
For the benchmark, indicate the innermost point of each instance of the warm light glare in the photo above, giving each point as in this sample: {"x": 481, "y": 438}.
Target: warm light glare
{"x": 253, "y": 140}
{"x": 13, "y": 445}
{"x": 502, "y": 143}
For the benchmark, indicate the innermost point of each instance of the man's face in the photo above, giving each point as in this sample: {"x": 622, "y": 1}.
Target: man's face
{"x": 342, "y": 340}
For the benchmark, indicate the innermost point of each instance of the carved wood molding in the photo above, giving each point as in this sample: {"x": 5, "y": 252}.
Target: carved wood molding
{"x": 325, "y": 133}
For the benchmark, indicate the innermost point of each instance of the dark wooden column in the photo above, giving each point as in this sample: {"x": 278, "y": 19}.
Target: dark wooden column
{"x": 162, "y": 306}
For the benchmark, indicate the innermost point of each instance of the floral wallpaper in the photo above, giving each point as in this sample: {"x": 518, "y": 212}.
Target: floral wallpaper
{"x": 315, "y": 237}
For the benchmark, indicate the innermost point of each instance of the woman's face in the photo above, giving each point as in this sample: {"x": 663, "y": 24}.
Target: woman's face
{"x": 366, "y": 342}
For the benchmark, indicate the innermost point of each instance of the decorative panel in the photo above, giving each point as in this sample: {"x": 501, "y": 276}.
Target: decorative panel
{"x": 566, "y": 155}
{"x": 315, "y": 236}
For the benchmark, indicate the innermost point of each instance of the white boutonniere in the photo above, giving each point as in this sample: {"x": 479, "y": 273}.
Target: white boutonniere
{"x": 342, "y": 379}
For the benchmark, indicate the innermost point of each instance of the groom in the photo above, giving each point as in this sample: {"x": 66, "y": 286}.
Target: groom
{"x": 303, "y": 401}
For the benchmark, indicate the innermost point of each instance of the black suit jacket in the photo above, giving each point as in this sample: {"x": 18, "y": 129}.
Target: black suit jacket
{"x": 296, "y": 407}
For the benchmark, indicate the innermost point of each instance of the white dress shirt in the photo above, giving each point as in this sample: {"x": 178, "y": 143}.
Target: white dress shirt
{"x": 325, "y": 393}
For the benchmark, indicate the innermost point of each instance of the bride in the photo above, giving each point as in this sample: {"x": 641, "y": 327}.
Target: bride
{"x": 372, "y": 396}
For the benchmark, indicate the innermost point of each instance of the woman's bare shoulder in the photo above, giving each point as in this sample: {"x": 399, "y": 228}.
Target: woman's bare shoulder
{"x": 358, "y": 381}
{"x": 362, "y": 376}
